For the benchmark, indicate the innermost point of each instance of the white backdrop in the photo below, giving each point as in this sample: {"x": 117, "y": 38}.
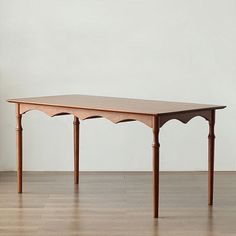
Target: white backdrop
{"x": 166, "y": 50}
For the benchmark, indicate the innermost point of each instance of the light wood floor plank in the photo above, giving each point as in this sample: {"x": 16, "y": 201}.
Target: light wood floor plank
{"x": 116, "y": 204}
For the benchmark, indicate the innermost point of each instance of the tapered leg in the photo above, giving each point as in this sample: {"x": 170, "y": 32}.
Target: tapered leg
{"x": 76, "y": 150}
{"x": 211, "y": 146}
{"x": 156, "y": 147}
{"x": 19, "y": 148}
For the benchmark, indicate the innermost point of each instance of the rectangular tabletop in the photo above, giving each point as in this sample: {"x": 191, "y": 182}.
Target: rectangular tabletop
{"x": 138, "y": 106}
{"x": 152, "y": 113}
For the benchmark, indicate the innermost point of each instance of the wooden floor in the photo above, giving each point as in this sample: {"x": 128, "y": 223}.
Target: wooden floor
{"x": 115, "y": 204}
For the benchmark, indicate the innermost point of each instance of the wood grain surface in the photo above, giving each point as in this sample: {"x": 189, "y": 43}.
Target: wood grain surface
{"x": 152, "y": 113}
{"x": 129, "y": 105}
{"x": 116, "y": 204}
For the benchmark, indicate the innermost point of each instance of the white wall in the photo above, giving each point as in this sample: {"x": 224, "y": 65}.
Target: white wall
{"x": 166, "y": 50}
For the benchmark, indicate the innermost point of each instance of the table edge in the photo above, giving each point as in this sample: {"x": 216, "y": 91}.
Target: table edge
{"x": 214, "y": 107}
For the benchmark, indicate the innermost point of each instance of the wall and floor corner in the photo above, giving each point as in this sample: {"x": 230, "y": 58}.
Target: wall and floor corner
{"x": 160, "y": 50}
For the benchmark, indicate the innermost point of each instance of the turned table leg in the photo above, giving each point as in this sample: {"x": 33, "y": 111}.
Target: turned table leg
{"x": 76, "y": 150}
{"x": 211, "y": 146}
{"x": 19, "y": 148}
{"x": 156, "y": 147}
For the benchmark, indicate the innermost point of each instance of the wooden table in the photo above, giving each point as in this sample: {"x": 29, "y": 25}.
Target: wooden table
{"x": 154, "y": 114}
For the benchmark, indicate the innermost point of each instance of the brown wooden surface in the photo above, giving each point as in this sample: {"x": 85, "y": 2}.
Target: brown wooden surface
{"x": 84, "y": 114}
{"x": 115, "y": 104}
{"x": 156, "y": 165}
{"x": 116, "y": 204}
{"x": 19, "y": 148}
{"x": 152, "y": 113}
{"x": 76, "y": 124}
{"x": 211, "y": 147}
